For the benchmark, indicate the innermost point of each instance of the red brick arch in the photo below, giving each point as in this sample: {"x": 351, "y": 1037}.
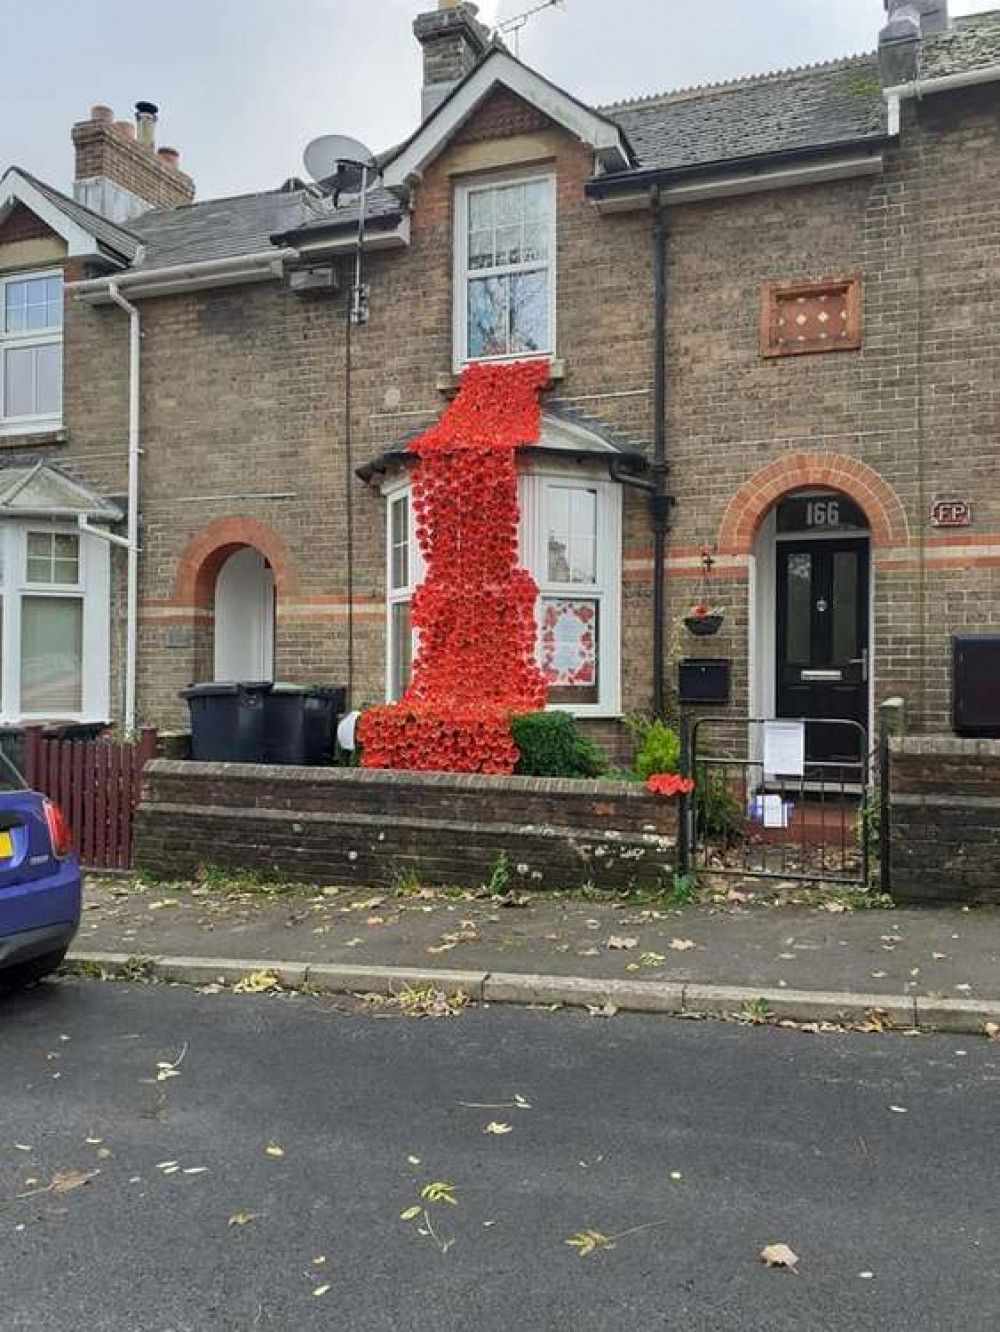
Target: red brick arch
{"x": 800, "y": 471}
{"x": 207, "y": 551}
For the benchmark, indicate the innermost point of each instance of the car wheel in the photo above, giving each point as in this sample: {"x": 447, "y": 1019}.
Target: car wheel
{"x": 36, "y": 969}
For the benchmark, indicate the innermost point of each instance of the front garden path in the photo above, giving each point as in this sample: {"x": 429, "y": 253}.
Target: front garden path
{"x": 729, "y": 937}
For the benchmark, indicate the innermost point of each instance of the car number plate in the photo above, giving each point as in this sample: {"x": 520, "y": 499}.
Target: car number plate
{"x": 6, "y": 845}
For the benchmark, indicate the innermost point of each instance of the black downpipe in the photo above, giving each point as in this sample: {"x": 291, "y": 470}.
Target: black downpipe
{"x": 660, "y": 498}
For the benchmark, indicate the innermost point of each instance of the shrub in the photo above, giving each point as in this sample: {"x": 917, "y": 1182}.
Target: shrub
{"x": 551, "y": 746}
{"x": 659, "y": 749}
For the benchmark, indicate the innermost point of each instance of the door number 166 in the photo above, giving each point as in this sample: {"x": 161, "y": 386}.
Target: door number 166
{"x": 823, "y": 513}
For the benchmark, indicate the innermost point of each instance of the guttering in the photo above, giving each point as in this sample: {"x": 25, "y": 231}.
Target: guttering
{"x": 132, "y": 536}
{"x": 739, "y": 174}
{"x": 917, "y": 88}
{"x": 258, "y": 267}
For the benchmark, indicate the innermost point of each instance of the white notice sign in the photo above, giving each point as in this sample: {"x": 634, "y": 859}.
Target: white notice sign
{"x": 775, "y": 811}
{"x": 784, "y": 749}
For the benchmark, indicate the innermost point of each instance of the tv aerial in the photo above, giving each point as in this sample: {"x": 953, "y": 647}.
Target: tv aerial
{"x": 341, "y": 165}
{"x": 513, "y": 26}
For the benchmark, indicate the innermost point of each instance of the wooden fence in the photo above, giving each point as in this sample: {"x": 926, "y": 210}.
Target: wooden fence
{"x": 96, "y": 784}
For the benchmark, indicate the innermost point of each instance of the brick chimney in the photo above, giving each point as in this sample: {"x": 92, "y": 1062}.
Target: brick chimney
{"x": 454, "y": 41}
{"x": 899, "y": 41}
{"x": 119, "y": 170}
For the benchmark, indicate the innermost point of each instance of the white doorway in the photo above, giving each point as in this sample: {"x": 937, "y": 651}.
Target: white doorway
{"x": 244, "y": 618}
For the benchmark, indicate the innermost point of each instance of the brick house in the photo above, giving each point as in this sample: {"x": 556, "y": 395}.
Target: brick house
{"x": 769, "y": 307}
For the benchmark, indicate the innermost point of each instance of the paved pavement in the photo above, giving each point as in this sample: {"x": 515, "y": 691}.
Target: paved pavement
{"x": 695, "y": 1144}
{"x": 738, "y": 942}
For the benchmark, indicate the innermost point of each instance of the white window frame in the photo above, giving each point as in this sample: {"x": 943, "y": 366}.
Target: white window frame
{"x": 399, "y": 490}
{"x": 38, "y": 337}
{"x": 463, "y": 274}
{"x": 533, "y": 554}
{"x": 606, "y": 590}
{"x": 93, "y": 589}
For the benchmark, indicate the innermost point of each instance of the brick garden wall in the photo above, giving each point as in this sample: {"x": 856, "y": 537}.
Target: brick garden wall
{"x": 945, "y": 819}
{"x": 352, "y": 826}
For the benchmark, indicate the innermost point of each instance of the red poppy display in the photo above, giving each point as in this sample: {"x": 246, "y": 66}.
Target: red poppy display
{"x": 669, "y": 784}
{"x": 474, "y": 614}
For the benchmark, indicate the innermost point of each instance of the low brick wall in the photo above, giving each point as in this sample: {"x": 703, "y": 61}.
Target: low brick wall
{"x": 945, "y": 820}
{"x": 352, "y": 826}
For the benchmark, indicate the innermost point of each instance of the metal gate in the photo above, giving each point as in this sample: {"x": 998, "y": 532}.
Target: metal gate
{"x": 808, "y": 823}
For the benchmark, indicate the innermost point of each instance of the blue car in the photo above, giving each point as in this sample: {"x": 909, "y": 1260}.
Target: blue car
{"x": 40, "y": 888}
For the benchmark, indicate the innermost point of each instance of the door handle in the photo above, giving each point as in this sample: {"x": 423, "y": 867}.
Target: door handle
{"x": 862, "y": 661}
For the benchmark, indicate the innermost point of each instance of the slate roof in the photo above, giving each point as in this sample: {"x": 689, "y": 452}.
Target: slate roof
{"x": 819, "y": 105}
{"x": 971, "y": 43}
{"x": 123, "y": 242}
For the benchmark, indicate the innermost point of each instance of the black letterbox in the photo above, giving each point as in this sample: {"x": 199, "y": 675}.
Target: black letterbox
{"x": 975, "y": 685}
{"x": 704, "y": 679}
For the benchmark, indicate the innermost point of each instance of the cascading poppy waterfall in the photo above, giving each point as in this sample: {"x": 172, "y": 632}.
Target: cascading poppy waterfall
{"x": 474, "y": 614}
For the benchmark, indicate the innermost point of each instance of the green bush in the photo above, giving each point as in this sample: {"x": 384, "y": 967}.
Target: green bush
{"x": 659, "y": 749}
{"x": 552, "y": 746}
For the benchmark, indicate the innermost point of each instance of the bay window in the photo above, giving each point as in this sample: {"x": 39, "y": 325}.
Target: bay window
{"x": 31, "y": 350}
{"x": 55, "y": 616}
{"x": 570, "y": 542}
{"x": 505, "y": 245}
{"x": 403, "y": 574}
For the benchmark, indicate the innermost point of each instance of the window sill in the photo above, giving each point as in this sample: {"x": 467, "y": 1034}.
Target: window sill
{"x": 448, "y": 381}
{"x": 23, "y": 438}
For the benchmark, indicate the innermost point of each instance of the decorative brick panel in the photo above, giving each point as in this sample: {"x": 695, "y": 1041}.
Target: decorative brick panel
{"x": 22, "y": 224}
{"x": 811, "y": 317}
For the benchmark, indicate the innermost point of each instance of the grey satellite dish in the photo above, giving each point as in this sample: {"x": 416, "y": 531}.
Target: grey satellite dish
{"x": 338, "y": 164}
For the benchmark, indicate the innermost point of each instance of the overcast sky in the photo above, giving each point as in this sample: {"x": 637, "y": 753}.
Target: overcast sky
{"x": 244, "y": 84}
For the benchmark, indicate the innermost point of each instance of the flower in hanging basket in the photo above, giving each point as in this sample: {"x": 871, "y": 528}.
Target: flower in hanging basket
{"x": 669, "y": 784}
{"x": 703, "y": 619}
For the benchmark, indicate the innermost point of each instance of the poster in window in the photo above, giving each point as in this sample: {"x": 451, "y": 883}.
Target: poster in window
{"x": 569, "y": 643}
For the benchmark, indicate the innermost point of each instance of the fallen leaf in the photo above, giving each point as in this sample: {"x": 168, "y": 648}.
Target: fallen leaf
{"x": 413, "y": 1160}
{"x": 780, "y": 1255}
{"x": 681, "y": 945}
{"x": 242, "y": 1218}
{"x": 319, "y": 1260}
{"x": 992, "y": 1030}
{"x": 439, "y": 1192}
{"x": 258, "y": 982}
{"x": 898, "y": 1109}
{"x": 622, "y": 942}
{"x": 274, "y": 1149}
{"x": 321, "y": 1290}
{"x": 410, "y": 1214}
{"x": 195, "y": 1170}
{"x": 676, "y": 1176}
{"x": 602, "y": 1010}
{"x": 589, "y": 1241}
{"x": 498, "y": 1130}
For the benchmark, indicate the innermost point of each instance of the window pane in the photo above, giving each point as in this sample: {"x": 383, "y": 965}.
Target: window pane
{"x": 481, "y": 210}
{"x": 53, "y": 557}
{"x": 14, "y": 307}
{"x": 401, "y": 648}
{"x": 17, "y": 381}
{"x": 536, "y": 201}
{"x": 510, "y": 206}
{"x": 529, "y": 312}
{"x": 400, "y": 538}
{"x": 48, "y": 379}
{"x": 54, "y": 298}
{"x": 480, "y": 249}
{"x": 845, "y": 607}
{"x": 488, "y": 316}
{"x": 570, "y": 649}
{"x": 52, "y": 655}
{"x": 798, "y": 632}
{"x": 508, "y": 245}
{"x": 536, "y": 244}
{"x": 572, "y": 534}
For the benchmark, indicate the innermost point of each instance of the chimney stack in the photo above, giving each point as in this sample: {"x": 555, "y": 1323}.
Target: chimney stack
{"x": 899, "y": 41}
{"x": 453, "y": 41}
{"x": 145, "y": 123}
{"x": 119, "y": 170}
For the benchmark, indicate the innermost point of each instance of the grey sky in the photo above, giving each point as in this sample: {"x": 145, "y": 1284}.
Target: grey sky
{"x": 244, "y": 84}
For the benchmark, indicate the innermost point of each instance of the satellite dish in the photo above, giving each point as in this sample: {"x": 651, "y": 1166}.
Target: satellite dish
{"x": 338, "y": 164}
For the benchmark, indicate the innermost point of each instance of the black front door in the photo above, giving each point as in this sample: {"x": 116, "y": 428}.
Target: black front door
{"x": 823, "y": 648}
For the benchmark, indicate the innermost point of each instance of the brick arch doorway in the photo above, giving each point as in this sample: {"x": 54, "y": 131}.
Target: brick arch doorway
{"x": 232, "y": 577}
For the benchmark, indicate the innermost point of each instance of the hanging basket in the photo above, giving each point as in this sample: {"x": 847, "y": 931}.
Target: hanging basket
{"x": 703, "y": 626}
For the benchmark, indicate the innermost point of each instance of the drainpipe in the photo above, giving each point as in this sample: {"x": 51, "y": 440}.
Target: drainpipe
{"x": 661, "y": 500}
{"x": 134, "y": 454}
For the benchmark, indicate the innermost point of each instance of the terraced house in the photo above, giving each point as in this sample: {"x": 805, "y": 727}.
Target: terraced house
{"x": 769, "y": 309}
